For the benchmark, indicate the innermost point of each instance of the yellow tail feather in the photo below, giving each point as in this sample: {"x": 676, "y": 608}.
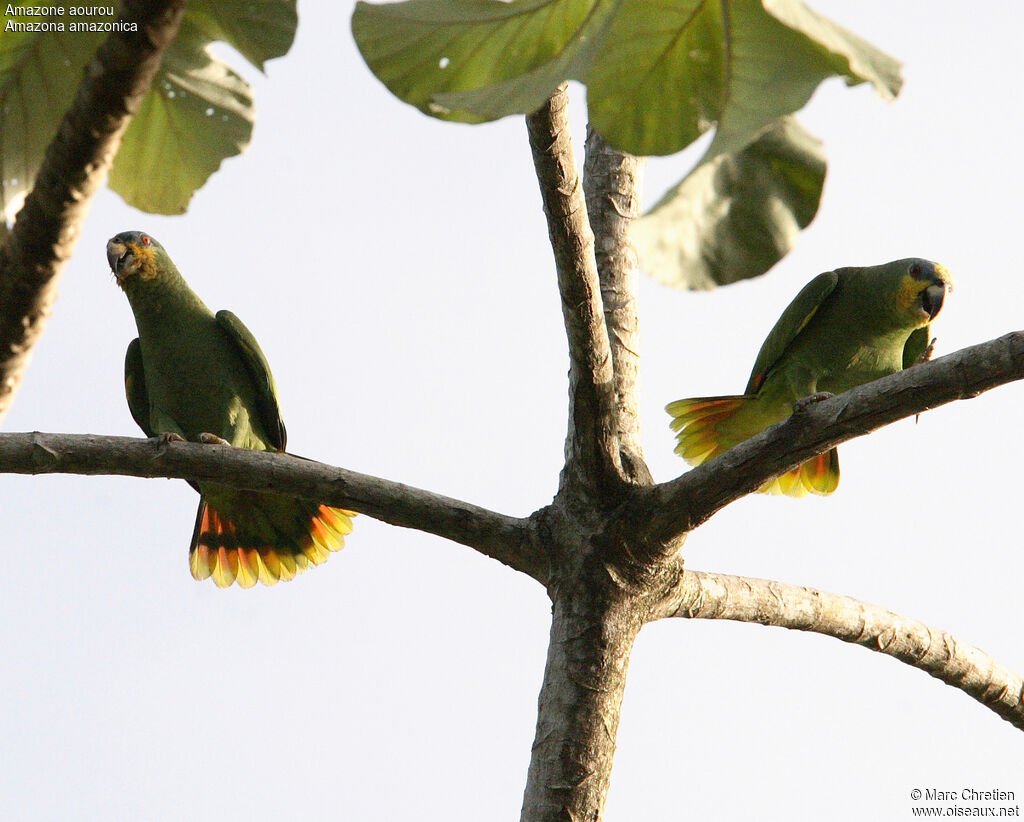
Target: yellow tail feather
{"x": 707, "y": 426}
{"x": 819, "y": 475}
{"x": 219, "y": 553}
{"x": 696, "y": 422}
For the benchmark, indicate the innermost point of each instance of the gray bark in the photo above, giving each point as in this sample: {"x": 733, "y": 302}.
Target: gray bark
{"x": 591, "y": 447}
{"x": 612, "y": 183}
{"x": 766, "y": 602}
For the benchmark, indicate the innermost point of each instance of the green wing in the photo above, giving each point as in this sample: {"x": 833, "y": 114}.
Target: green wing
{"x": 916, "y": 345}
{"x": 258, "y": 368}
{"x": 797, "y": 314}
{"x": 135, "y": 387}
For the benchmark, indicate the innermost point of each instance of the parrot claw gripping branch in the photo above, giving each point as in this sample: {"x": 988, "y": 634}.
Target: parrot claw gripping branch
{"x": 195, "y": 375}
{"x": 845, "y": 328}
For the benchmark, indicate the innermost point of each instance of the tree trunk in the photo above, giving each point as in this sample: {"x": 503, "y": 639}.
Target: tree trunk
{"x": 594, "y": 624}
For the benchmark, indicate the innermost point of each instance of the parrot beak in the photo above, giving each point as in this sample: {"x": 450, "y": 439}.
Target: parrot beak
{"x": 934, "y": 281}
{"x": 132, "y": 256}
{"x": 118, "y": 256}
{"x": 932, "y": 298}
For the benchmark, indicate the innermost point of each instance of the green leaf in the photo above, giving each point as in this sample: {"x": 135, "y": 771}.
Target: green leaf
{"x": 39, "y": 73}
{"x": 736, "y": 215}
{"x": 658, "y": 74}
{"x": 198, "y": 113}
{"x": 427, "y": 49}
{"x": 797, "y": 48}
{"x": 259, "y": 29}
{"x": 527, "y": 92}
{"x": 659, "y": 81}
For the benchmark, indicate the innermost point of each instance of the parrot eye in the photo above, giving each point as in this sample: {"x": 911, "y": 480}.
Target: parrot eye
{"x": 145, "y": 239}
{"x": 915, "y": 271}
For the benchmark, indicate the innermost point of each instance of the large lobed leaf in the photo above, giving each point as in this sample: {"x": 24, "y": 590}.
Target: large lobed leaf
{"x": 735, "y": 215}
{"x": 198, "y": 113}
{"x": 658, "y": 74}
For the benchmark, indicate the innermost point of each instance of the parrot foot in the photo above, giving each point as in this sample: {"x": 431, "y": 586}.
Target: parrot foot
{"x": 804, "y": 403}
{"x": 170, "y": 436}
{"x": 212, "y": 439}
{"x": 927, "y": 353}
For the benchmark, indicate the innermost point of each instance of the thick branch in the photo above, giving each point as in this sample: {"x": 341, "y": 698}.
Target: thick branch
{"x": 76, "y": 161}
{"x": 720, "y": 596}
{"x": 612, "y": 182}
{"x": 591, "y": 449}
{"x": 506, "y": 539}
{"x": 679, "y": 506}
{"x": 579, "y": 705}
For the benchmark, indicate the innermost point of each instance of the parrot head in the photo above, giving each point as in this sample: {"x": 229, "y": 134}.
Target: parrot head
{"x": 922, "y": 289}
{"x": 134, "y": 255}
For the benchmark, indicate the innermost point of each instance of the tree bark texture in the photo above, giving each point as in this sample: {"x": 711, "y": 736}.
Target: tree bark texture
{"x": 48, "y": 226}
{"x": 612, "y": 182}
{"x": 936, "y": 652}
{"x": 591, "y": 447}
{"x": 509, "y": 540}
{"x": 592, "y": 633}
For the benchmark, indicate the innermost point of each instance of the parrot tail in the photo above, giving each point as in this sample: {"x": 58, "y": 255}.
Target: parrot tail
{"x": 269, "y": 539}
{"x": 708, "y": 426}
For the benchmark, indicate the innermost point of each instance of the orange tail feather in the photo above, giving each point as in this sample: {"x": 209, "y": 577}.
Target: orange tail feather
{"x": 227, "y": 553}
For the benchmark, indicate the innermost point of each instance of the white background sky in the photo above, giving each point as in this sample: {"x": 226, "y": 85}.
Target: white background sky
{"x": 397, "y": 274}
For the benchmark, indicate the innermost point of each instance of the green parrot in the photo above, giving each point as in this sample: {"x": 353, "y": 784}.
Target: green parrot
{"x": 845, "y": 327}
{"x": 199, "y": 376}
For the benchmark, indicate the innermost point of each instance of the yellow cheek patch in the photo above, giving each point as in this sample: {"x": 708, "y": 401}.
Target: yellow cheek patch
{"x": 909, "y": 291}
{"x": 144, "y": 263}
{"x": 906, "y": 299}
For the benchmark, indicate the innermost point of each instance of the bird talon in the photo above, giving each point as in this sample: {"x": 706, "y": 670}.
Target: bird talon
{"x": 170, "y": 436}
{"x": 212, "y": 439}
{"x": 927, "y": 353}
{"x": 804, "y": 403}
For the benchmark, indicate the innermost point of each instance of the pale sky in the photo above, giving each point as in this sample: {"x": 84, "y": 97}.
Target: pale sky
{"x": 397, "y": 274}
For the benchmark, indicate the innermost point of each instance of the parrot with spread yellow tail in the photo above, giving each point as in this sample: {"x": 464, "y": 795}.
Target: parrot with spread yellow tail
{"x": 197, "y": 375}
{"x": 845, "y": 327}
